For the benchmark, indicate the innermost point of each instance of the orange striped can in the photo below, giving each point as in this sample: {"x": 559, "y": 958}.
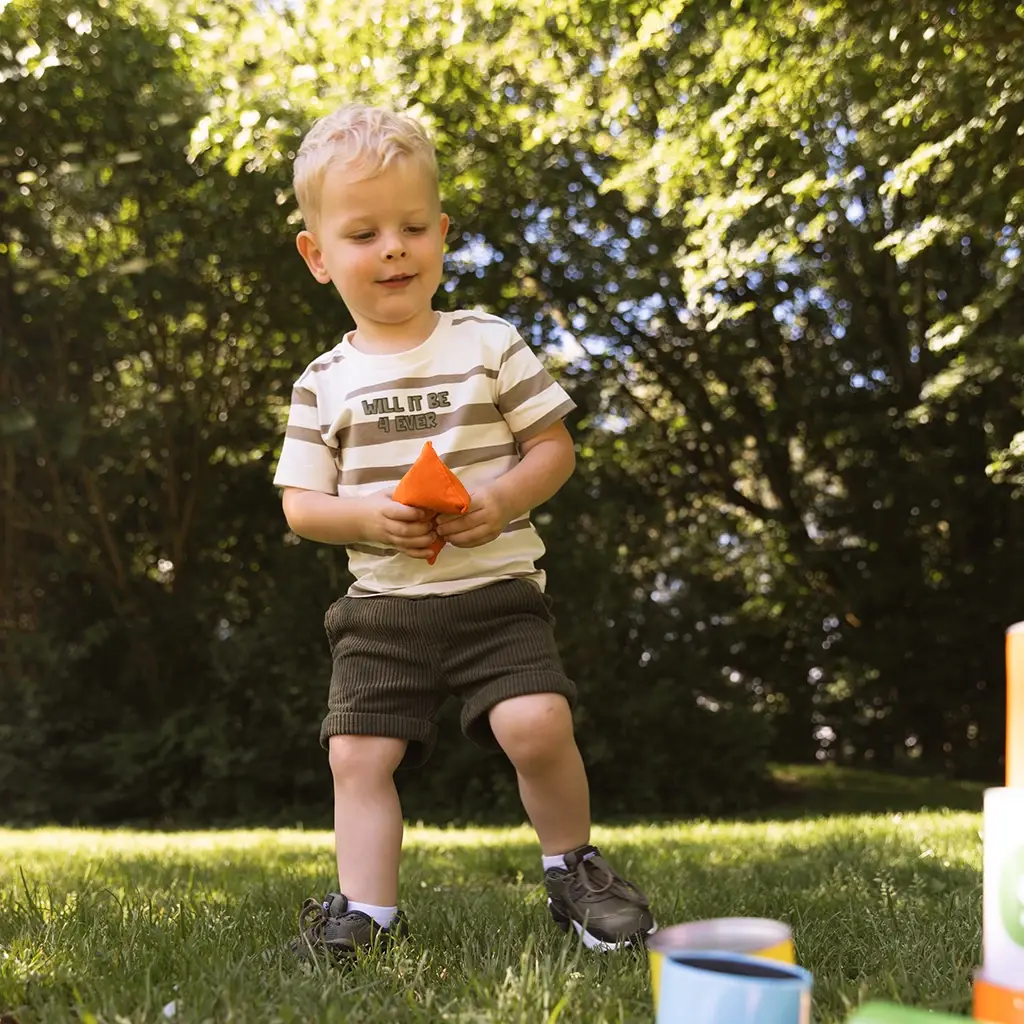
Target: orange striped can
{"x": 1015, "y": 705}
{"x": 996, "y": 1004}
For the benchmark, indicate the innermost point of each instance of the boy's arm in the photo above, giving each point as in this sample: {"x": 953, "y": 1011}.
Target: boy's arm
{"x": 328, "y": 519}
{"x": 549, "y": 459}
{"x": 324, "y": 517}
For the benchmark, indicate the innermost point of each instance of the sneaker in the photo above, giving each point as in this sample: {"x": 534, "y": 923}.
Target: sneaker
{"x": 606, "y": 910}
{"x": 332, "y": 928}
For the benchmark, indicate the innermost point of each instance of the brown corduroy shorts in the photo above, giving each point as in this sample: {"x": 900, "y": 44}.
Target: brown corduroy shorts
{"x": 398, "y": 659}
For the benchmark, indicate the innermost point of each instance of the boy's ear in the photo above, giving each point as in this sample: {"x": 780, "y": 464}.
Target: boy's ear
{"x": 310, "y": 252}
{"x": 445, "y": 224}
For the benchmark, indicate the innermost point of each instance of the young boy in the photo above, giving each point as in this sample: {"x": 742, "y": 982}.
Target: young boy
{"x": 475, "y": 622}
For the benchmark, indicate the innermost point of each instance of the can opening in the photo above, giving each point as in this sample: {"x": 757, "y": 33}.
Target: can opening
{"x": 734, "y": 967}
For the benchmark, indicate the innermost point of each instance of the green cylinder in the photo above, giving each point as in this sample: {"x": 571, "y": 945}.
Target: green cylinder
{"x": 888, "y": 1013}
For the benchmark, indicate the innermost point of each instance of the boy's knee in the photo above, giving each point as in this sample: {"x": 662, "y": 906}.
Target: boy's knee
{"x": 363, "y": 757}
{"x": 533, "y": 729}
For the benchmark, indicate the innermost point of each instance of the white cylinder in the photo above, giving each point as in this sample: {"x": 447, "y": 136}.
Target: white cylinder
{"x": 1003, "y": 905}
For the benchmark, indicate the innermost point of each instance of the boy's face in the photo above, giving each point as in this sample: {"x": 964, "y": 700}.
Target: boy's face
{"x": 381, "y": 241}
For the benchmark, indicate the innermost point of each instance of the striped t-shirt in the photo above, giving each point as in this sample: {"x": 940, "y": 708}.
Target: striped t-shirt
{"x": 357, "y": 422}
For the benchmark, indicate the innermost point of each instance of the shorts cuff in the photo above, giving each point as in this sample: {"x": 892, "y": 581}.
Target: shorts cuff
{"x": 475, "y": 725}
{"x": 421, "y": 734}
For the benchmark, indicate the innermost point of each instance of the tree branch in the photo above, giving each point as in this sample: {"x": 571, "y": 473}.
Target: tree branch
{"x": 109, "y": 543}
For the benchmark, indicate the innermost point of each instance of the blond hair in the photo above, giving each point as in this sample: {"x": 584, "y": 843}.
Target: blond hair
{"x": 361, "y": 138}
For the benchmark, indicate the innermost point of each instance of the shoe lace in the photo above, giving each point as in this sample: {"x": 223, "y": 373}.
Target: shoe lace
{"x": 312, "y": 921}
{"x": 594, "y": 877}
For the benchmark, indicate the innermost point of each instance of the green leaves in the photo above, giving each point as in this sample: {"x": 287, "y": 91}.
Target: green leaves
{"x": 775, "y": 251}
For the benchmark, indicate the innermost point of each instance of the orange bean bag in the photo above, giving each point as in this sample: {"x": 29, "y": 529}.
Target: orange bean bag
{"x": 430, "y": 485}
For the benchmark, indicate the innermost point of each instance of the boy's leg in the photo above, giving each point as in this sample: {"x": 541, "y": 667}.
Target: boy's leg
{"x": 536, "y": 733}
{"x": 367, "y": 817}
{"x": 502, "y": 657}
{"x": 383, "y": 696}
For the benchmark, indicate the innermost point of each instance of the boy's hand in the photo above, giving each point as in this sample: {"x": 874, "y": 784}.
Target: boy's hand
{"x": 488, "y": 515}
{"x": 409, "y": 530}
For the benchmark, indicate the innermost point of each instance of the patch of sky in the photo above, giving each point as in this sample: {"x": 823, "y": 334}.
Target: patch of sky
{"x": 845, "y": 135}
{"x": 538, "y": 224}
{"x": 642, "y": 310}
{"x": 855, "y": 212}
{"x": 665, "y": 588}
{"x": 608, "y": 240}
{"x": 474, "y": 253}
{"x": 784, "y": 312}
{"x": 869, "y": 382}
{"x": 1009, "y": 241}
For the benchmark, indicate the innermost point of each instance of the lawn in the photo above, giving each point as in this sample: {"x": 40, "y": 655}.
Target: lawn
{"x": 111, "y": 926}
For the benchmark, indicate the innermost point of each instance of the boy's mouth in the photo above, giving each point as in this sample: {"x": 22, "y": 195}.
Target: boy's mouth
{"x": 397, "y": 280}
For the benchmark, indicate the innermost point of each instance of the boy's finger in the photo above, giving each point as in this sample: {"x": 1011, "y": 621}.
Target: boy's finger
{"x": 470, "y": 539}
{"x": 418, "y": 545}
{"x": 416, "y": 532}
{"x": 458, "y": 525}
{"x": 405, "y": 513}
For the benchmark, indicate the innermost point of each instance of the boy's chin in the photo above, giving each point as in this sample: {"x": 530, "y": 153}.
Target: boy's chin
{"x": 396, "y": 317}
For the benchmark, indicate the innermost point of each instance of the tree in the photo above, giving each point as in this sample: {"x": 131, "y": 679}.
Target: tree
{"x": 782, "y": 289}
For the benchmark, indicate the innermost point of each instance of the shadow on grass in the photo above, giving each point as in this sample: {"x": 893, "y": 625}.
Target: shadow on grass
{"x": 810, "y": 789}
{"x": 795, "y": 792}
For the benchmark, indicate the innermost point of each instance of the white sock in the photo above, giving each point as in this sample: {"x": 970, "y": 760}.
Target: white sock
{"x": 557, "y": 860}
{"x": 382, "y": 915}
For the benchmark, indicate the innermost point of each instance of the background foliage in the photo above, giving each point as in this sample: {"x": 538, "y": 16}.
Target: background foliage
{"x": 774, "y": 251}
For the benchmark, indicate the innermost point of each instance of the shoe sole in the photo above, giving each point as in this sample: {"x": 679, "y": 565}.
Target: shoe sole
{"x": 592, "y": 941}
{"x": 305, "y": 953}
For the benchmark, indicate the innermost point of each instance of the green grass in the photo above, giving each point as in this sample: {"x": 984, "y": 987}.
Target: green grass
{"x": 110, "y": 926}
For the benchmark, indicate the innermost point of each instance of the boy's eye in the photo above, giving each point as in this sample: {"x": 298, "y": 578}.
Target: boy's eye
{"x": 416, "y": 229}
{"x": 362, "y": 236}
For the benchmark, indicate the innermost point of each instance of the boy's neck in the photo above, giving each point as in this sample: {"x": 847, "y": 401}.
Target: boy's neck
{"x": 389, "y": 339}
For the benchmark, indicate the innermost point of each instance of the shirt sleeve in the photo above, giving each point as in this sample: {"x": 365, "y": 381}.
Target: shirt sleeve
{"x": 529, "y": 398}
{"x": 307, "y": 461}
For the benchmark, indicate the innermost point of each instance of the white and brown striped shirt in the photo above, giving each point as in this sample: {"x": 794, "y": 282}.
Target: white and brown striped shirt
{"x": 357, "y": 422}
